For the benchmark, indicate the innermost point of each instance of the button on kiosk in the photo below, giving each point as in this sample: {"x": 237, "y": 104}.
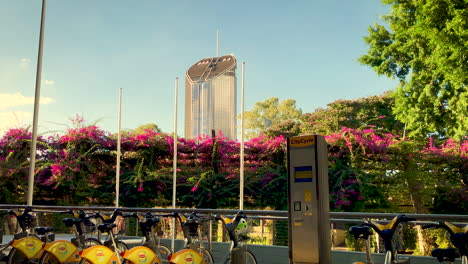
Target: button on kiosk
{"x": 309, "y": 223}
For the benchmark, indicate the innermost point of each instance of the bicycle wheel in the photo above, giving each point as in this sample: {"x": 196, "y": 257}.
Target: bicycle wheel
{"x": 163, "y": 252}
{"x": 84, "y": 261}
{"x": 388, "y": 257}
{"x": 242, "y": 255}
{"x": 249, "y": 257}
{"x": 48, "y": 258}
{"x": 121, "y": 246}
{"x": 17, "y": 257}
{"x": 89, "y": 242}
{"x": 207, "y": 257}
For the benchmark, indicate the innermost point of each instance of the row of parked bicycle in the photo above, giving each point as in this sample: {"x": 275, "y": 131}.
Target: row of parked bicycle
{"x": 458, "y": 237}
{"x": 38, "y": 245}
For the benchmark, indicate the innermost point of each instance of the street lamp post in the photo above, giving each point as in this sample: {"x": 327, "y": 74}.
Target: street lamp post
{"x": 32, "y": 154}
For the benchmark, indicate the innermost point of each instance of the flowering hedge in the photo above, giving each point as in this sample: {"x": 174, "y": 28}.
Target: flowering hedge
{"x": 368, "y": 170}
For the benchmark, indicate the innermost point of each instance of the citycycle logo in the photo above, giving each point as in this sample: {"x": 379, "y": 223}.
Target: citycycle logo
{"x": 302, "y": 141}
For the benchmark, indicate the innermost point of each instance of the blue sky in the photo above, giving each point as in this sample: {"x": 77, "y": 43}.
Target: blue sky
{"x": 304, "y": 50}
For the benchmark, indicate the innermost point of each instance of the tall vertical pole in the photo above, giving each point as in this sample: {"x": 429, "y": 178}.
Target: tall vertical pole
{"x": 174, "y": 163}
{"x": 241, "y": 171}
{"x": 119, "y": 139}
{"x": 32, "y": 154}
{"x": 217, "y": 43}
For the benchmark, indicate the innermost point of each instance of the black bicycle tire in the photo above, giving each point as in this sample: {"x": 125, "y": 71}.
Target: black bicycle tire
{"x": 84, "y": 261}
{"x": 163, "y": 258}
{"x": 206, "y": 255}
{"x": 251, "y": 256}
{"x": 388, "y": 257}
{"x": 45, "y": 255}
{"x": 15, "y": 254}
{"x": 94, "y": 240}
{"x": 121, "y": 243}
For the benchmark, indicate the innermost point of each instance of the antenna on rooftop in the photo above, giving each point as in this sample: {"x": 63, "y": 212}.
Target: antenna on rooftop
{"x": 217, "y": 43}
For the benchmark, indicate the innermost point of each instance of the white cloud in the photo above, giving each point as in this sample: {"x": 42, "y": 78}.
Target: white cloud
{"x": 24, "y": 63}
{"x": 11, "y": 100}
{"x": 14, "y": 119}
{"x": 48, "y": 82}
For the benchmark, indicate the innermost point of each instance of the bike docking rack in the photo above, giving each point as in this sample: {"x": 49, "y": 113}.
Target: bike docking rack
{"x": 272, "y": 251}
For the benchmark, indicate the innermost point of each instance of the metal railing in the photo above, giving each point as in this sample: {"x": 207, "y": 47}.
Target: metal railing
{"x": 271, "y": 224}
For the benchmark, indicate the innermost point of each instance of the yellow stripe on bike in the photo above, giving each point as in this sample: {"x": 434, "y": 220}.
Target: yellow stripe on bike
{"x": 455, "y": 229}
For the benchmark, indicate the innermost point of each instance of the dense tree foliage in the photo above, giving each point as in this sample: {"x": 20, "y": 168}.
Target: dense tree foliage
{"x": 425, "y": 46}
{"x": 270, "y": 113}
{"x": 142, "y": 129}
{"x": 372, "y": 111}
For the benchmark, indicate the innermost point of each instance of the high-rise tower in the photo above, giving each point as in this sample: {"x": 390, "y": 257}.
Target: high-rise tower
{"x": 210, "y": 97}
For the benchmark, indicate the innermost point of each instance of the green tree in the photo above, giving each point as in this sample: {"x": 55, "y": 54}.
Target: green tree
{"x": 286, "y": 128}
{"x": 373, "y": 111}
{"x": 147, "y": 127}
{"x": 270, "y": 113}
{"x": 424, "y": 44}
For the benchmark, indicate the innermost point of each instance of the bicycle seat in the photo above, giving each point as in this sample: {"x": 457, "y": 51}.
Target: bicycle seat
{"x": 360, "y": 232}
{"x": 42, "y": 230}
{"x": 69, "y": 222}
{"x": 106, "y": 227}
{"x": 445, "y": 254}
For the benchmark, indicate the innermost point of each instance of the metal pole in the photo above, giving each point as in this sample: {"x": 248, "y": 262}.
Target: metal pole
{"x": 174, "y": 164}
{"x": 241, "y": 175}
{"x": 117, "y": 172}
{"x": 32, "y": 154}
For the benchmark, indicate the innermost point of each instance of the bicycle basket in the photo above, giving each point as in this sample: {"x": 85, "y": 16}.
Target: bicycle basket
{"x": 88, "y": 226}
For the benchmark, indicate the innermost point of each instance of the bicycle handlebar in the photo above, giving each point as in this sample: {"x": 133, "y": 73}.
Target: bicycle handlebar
{"x": 112, "y": 218}
{"x": 25, "y": 219}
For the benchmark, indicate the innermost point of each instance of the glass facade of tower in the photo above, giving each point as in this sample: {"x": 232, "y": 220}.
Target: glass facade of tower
{"x": 210, "y": 97}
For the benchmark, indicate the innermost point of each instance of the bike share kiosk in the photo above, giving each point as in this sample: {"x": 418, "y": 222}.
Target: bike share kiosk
{"x": 309, "y": 220}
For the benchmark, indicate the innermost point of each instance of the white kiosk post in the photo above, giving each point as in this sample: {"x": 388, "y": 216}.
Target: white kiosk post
{"x": 309, "y": 212}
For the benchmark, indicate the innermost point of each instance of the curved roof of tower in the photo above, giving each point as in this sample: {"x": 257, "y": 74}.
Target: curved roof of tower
{"x": 210, "y": 68}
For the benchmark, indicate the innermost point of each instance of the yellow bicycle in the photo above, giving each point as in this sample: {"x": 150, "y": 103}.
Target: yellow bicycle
{"x": 113, "y": 254}
{"x": 63, "y": 251}
{"x": 458, "y": 237}
{"x": 237, "y": 228}
{"x": 194, "y": 252}
{"x": 27, "y": 248}
{"x": 385, "y": 232}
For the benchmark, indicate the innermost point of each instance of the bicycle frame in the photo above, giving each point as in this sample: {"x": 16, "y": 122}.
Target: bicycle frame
{"x": 30, "y": 246}
{"x": 236, "y": 251}
{"x": 458, "y": 237}
{"x": 386, "y": 232}
{"x": 141, "y": 254}
{"x": 65, "y": 251}
{"x": 190, "y": 253}
{"x": 100, "y": 254}
{"x": 145, "y": 253}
